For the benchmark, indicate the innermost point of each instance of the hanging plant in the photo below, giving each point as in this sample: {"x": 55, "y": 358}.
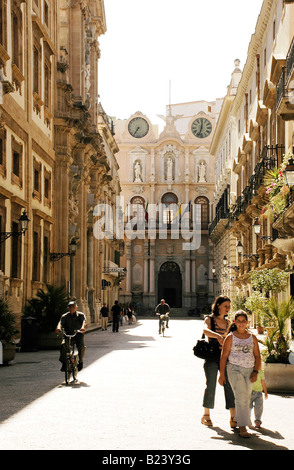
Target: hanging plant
{"x": 277, "y": 190}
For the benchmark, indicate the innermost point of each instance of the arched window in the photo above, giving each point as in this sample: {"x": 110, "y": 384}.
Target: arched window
{"x": 137, "y": 208}
{"x": 170, "y": 206}
{"x": 203, "y": 202}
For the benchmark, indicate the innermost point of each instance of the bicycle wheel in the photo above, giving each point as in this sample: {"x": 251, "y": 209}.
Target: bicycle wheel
{"x": 67, "y": 371}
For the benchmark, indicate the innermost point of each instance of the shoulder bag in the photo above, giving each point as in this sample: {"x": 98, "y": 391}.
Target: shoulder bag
{"x": 207, "y": 349}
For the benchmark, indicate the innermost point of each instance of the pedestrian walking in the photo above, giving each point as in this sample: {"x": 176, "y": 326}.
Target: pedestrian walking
{"x": 256, "y": 401}
{"x": 104, "y": 311}
{"x": 241, "y": 351}
{"x": 116, "y": 311}
{"x": 215, "y": 328}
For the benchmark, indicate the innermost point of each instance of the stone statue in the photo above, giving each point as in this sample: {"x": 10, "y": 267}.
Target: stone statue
{"x": 169, "y": 169}
{"x": 137, "y": 173}
{"x": 202, "y": 173}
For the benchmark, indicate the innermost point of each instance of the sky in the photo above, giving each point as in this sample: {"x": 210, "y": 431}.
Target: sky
{"x": 157, "y": 52}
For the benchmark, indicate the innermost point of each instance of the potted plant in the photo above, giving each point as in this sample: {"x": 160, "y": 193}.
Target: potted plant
{"x": 279, "y": 373}
{"x": 7, "y": 331}
{"x": 256, "y": 304}
{"x": 47, "y": 308}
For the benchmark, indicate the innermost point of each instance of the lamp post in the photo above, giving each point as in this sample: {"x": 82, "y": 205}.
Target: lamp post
{"x": 71, "y": 252}
{"x": 23, "y": 226}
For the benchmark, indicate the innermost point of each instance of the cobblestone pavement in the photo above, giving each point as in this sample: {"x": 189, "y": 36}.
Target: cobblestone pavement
{"x": 137, "y": 390}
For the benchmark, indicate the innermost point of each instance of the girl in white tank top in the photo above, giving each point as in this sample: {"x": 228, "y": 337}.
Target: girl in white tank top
{"x": 241, "y": 353}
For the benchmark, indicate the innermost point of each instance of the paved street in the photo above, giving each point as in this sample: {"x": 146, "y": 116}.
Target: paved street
{"x": 137, "y": 391}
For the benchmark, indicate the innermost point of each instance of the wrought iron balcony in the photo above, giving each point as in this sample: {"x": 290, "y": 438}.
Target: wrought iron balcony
{"x": 285, "y": 97}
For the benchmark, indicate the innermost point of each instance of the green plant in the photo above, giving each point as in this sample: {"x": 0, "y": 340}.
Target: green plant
{"x": 47, "y": 307}
{"x": 278, "y": 343}
{"x": 238, "y": 302}
{"x": 277, "y": 190}
{"x": 256, "y": 304}
{"x": 7, "y": 322}
{"x": 269, "y": 280}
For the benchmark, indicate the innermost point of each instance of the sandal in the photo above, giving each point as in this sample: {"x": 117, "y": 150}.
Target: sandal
{"x": 244, "y": 433}
{"x": 206, "y": 420}
{"x": 233, "y": 423}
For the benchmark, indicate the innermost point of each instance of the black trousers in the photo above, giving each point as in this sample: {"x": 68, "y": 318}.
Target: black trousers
{"x": 115, "y": 323}
{"x": 79, "y": 341}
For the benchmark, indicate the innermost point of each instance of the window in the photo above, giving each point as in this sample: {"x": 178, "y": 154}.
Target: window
{"x": 36, "y": 257}
{"x": 3, "y": 23}
{"x": 138, "y": 209}
{"x": 17, "y": 35}
{"x": 17, "y": 165}
{"x": 46, "y": 259}
{"x": 15, "y": 253}
{"x": 203, "y": 210}
{"x": 36, "y": 78}
{"x": 46, "y": 14}
{"x": 3, "y": 152}
{"x": 37, "y": 172}
{"x": 170, "y": 207}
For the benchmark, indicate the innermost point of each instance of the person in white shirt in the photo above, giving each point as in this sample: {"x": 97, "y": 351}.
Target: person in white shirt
{"x": 241, "y": 356}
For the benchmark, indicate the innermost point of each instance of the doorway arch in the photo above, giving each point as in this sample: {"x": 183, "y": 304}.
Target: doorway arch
{"x": 170, "y": 284}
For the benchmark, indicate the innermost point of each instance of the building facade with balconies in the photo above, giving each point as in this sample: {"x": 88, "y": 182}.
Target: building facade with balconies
{"x": 257, "y": 121}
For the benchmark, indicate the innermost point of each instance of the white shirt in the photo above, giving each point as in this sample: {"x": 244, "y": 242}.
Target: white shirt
{"x": 241, "y": 353}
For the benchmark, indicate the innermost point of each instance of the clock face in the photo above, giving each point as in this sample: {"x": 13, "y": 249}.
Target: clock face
{"x": 138, "y": 127}
{"x": 201, "y": 128}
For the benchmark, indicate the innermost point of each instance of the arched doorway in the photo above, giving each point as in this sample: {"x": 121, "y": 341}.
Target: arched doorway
{"x": 170, "y": 284}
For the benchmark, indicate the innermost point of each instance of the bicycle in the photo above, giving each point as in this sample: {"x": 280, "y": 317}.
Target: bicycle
{"x": 72, "y": 359}
{"x": 163, "y": 320}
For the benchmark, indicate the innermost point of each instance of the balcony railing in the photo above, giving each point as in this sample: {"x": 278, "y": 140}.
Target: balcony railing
{"x": 270, "y": 157}
{"x": 290, "y": 62}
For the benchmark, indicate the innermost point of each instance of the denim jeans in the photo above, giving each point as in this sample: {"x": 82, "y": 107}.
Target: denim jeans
{"x": 211, "y": 368}
{"x": 256, "y": 402}
{"x": 239, "y": 378}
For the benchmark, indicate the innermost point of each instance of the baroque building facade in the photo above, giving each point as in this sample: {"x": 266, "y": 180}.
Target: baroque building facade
{"x": 167, "y": 183}
{"x": 57, "y": 149}
{"x": 254, "y": 132}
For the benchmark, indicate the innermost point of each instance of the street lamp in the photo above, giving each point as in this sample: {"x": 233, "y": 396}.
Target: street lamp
{"x": 72, "y": 251}
{"x": 239, "y": 247}
{"x": 289, "y": 172}
{"x": 256, "y": 227}
{"x": 23, "y": 226}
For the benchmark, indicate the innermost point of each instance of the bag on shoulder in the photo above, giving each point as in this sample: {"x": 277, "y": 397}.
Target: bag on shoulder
{"x": 207, "y": 349}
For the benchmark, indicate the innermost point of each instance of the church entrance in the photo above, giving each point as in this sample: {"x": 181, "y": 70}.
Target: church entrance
{"x": 170, "y": 284}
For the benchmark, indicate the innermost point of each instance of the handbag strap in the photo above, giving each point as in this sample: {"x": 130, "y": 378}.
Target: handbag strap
{"x": 212, "y": 325}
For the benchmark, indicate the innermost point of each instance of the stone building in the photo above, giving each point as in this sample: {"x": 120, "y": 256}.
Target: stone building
{"x": 254, "y": 131}
{"x": 167, "y": 181}
{"x": 56, "y": 148}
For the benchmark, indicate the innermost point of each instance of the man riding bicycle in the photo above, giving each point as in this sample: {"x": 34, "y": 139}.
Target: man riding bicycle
{"x": 71, "y": 322}
{"x": 162, "y": 309}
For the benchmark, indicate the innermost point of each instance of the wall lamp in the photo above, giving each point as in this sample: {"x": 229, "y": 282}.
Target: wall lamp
{"x": 289, "y": 172}
{"x": 23, "y": 226}
{"x": 214, "y": 278}
{"x": 225, "y": 263}
{"x": 72, "y": 251}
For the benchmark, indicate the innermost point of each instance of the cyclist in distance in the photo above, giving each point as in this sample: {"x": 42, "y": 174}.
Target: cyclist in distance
{"x": 71, "y": 322}
{"x": 162, "y": 309}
